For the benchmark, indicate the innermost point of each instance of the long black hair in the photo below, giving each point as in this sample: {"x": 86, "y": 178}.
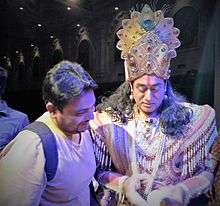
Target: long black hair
{"x": 174, "y": 115}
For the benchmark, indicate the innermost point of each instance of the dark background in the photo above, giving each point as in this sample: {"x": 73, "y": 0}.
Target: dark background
{"x": 86, "y": 33}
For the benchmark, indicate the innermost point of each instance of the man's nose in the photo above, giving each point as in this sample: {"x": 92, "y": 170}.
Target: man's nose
{"x": 147, "y": 95}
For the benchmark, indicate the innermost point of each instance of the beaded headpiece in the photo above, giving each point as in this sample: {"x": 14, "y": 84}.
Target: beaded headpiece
{"x": 148, "y": 41}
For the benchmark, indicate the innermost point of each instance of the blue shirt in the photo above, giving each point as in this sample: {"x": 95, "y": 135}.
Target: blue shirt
{"x": 11, "y": 122}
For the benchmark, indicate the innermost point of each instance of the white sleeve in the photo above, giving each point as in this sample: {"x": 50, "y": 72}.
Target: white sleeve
{"x": 22, "y": 176}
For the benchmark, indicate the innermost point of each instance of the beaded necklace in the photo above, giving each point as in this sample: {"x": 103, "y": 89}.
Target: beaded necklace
{"x": 146, "y": 133}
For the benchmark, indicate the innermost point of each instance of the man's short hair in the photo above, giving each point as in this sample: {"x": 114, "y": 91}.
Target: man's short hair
{"x": 3, "y": 80}
{"x": 65, "y": 81}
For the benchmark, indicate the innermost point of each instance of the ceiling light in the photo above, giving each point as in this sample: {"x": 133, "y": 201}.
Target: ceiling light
{"x": 32, "y": 45}
{"x": 51, "y": 36}
{"x": 17, "y": 52}
{"x": 78, "y": 25}
{"x": 39, "y": 25}
{"x": 68, "y": 8}
{"x": 21, "y": 8}
{"x": 5, "y": 57}
{"x": 116, "y": 8}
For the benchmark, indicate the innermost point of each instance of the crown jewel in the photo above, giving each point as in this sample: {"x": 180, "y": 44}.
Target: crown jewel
{"x": 148, "y": 41}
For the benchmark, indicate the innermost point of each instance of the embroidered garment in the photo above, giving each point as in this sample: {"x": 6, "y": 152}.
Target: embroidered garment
{"x": 140, "y": 146}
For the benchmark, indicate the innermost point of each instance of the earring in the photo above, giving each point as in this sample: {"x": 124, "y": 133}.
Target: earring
{"x": 165, "y": 97}
{"x": 131, "y": 97}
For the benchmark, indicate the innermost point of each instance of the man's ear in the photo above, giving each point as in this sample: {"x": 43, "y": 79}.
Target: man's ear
{"x": 51, "y": 108}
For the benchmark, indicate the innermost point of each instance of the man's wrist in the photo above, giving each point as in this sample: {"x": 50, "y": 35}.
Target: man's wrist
{"x": 121, "y": 183}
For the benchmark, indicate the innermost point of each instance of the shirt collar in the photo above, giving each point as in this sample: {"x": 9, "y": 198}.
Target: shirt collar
{"x": 46, "y": 118}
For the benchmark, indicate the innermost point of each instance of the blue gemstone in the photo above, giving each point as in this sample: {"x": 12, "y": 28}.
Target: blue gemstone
{"x": 148, "y": 24}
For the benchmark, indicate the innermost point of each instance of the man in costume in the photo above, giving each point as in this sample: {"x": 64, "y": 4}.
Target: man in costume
{"x": 151, "y": 146}
{"x": 70, "y": 102}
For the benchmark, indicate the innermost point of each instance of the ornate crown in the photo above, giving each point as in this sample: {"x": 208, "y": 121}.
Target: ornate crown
{"x": 147, "y": 41}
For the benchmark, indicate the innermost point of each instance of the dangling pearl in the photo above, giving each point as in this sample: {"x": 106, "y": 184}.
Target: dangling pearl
{"x": 131, "y": 97}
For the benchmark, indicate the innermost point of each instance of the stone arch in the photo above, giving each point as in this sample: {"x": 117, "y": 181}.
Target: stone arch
{"x": 85, "y": 50}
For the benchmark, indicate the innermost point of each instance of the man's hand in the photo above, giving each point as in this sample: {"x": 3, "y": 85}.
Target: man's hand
{"x": 130, "y": 187}
{"x": 167, "y": 196}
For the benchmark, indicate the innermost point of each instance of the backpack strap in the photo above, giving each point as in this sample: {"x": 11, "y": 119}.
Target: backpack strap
{"x": 49, "y": 147}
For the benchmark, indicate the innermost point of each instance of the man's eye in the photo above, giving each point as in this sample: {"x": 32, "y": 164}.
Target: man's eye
{"x": 79, "y": 113}
{"x": 154, "y": 89}
{"x": 141, "y": 89}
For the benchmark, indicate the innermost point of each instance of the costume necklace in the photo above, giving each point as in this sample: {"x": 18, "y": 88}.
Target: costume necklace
{"x": 158, "y": 154}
